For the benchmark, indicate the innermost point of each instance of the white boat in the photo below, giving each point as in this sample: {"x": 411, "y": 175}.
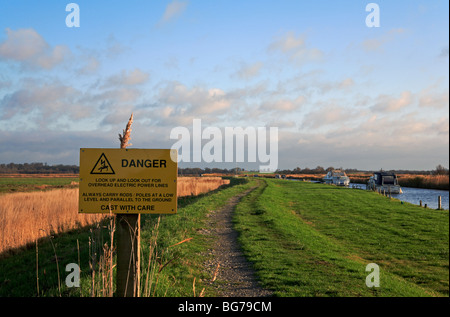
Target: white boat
{"x": 336, "y": 177}
{"x": 384, "y": 182}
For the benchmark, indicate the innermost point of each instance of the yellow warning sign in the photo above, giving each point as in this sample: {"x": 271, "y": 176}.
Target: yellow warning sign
{"x": 128, "y": 181}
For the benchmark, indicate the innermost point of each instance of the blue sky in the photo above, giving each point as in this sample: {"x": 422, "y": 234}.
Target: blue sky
{"x": 341, "y": 94}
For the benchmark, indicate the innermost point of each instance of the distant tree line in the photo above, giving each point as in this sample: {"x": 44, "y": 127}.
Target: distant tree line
{"x": 440, "y": 170}
{"x": 200, "y": 171}
{"x": 38, "y": 168}
{"x": 44, "y": 168}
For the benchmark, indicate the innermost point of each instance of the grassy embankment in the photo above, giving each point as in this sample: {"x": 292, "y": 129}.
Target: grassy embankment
{"x": 310, "y": 239}
{"x": 171, "y": 267}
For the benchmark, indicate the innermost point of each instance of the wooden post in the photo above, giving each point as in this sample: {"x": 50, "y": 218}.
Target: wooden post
{"x": 439, "y": 202}
{"x": 128, "y": 242}
{"x": 128, "y": 255}
{"x": 420, "y": 203}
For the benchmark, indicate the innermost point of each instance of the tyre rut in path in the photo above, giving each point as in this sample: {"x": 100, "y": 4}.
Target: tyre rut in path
{"x": 235, "y": 277}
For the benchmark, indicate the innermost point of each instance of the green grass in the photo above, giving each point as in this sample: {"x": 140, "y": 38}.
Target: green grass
{"x": 180, "y": 263}
{"x": 308, "y": 239}
{"x": 22, "y": 184}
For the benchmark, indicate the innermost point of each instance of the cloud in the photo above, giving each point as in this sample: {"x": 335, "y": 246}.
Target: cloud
{"x": 198, "y": 100}
{"x": 329, "y": 115}
{"x": 48, "y": 99}
{"x": 377, "y": 44}
{"x": 28, "y": 47}
{"x": 385, "y": 103}
{"x": 295, "y": 48}
{"x": 431, "y": 99}
{"x": 442, "y": 127}
{"x": 131, "y": 78}
{"x": 53, "y": 147}
{"x": 92, "y": 64}
{"x": 346, "y": 83}
{"x": 444, "y": 52}
{"x": 249, "y": 71}
{"x": 283, "y": 105}
{"x": 173, "y": 10}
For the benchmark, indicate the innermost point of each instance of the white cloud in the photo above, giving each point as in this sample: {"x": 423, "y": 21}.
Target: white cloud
{"x": 92, "y": 64}
{"x": 386, "y": 103}
{"x": 377, "y": 44}
{"x": 198, "y": 100}
{"x": 29, "y": 47}
{"x": 295, "y": 48}
{"x": 432, "y": 99}
{"x": 249, "y": 71}
{"x": 131, "y": 78}
{"x": 48, "y": 99}
{"x": 346, "y": 83}
{"x": 173, "y": 9}
{"x": 328, "y": 115}
{"x": 283, "y": 105}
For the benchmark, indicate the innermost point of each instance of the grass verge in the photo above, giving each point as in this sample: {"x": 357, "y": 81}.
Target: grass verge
{"x": 308, "y": 239}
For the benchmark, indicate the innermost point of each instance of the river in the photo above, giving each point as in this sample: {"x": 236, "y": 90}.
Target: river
{"x": 415, "y": 195}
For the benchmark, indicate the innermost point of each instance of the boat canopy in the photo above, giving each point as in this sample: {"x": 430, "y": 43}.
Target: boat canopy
{"x": 386, "y": 178}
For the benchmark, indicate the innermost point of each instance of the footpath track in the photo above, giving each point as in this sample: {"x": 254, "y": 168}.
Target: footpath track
{"x": 234, "y": 275}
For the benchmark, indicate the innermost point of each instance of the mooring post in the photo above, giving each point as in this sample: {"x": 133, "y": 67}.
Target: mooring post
{"x": 439, "y": 202}
{"x": 128, "y": 242}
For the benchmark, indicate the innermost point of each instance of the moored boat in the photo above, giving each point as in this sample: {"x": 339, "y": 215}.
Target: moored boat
{"x": 385, "y": 182}
{"x": 337, "y": 177}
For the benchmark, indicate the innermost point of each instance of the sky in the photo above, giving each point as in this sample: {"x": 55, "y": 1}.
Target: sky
{"x": 341, "y": 93}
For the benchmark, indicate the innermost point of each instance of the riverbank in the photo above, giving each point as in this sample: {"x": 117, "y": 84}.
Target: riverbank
{"x": 307, "y": 239}
{"x": 440, "y": 182}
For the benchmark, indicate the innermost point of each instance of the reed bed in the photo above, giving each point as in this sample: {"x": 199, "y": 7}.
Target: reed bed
{"x": 188, "y": 186}
{"x": 424, "y": 181}
{"x": 26, "y": 217}
{"x": 307, "y": 176}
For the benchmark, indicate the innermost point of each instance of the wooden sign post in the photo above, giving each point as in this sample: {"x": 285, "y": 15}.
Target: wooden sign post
{"x": 128, "y": 242}
{"x": 128, "y": 182}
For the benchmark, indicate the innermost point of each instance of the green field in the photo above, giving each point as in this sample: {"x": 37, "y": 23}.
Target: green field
{"x": 25, "y": 184}
{"x": 303, "y": 239}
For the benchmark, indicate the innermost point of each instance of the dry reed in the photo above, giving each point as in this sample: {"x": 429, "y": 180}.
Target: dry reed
{"x": 26, "y": 217}
{"x": 187, "y": 186}
{"x": 424, "y": 181}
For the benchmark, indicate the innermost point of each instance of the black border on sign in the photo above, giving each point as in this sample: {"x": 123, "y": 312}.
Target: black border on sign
{"x": 110, "y": 173}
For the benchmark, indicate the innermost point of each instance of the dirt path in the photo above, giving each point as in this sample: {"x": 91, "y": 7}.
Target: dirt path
{"x": 235, "y": 277}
